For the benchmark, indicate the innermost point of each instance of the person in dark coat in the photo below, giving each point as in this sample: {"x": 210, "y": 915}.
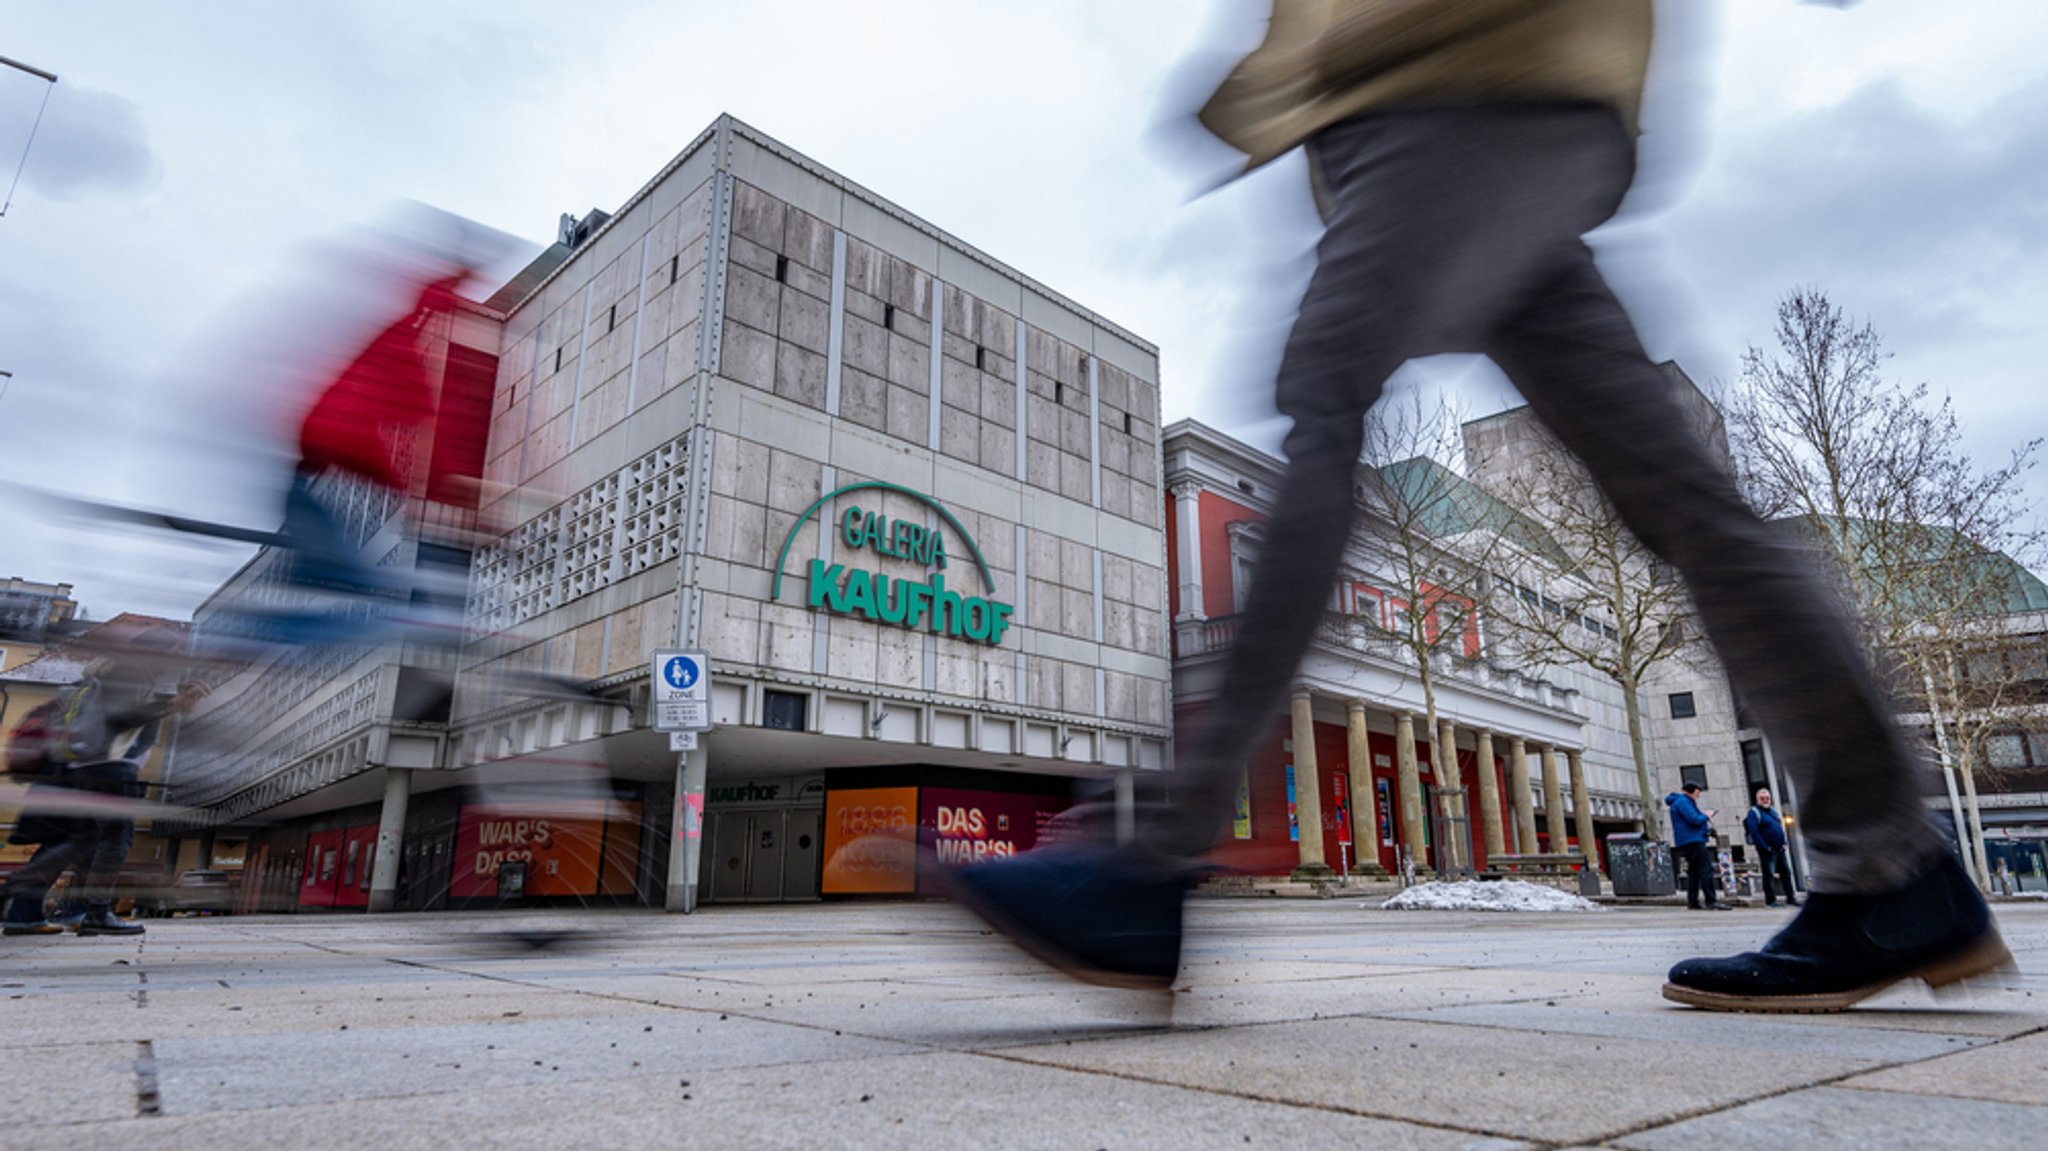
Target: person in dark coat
{"x": 1689, "y": 830}
{"x": 1766, "y": 831}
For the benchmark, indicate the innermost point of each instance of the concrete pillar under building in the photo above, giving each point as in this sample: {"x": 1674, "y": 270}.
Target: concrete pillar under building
{"x": 1409, "y": 784}
{"x": 390, "y": 838}
{"x": 1582, "y": 807}
{"x": 1126, "y": 806}
{"x": 1365, "y": 820}
{"x": 1489, "y": 796}
{"x": 1553, "y": 799}
{"x": 1308, "y": 796}
{"x": 1456, "y": 850}
{"x": 686, "y": 843}
{"x": 1520, "y": 797}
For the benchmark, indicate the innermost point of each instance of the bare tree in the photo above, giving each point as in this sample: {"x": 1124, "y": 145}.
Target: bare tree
{"x": 1587, "y": 592}
{"x": 1435, "y": 536}
{"x": 1916, "y": 532}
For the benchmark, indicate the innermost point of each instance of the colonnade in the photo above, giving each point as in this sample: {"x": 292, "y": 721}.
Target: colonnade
{"x": 1450, "y": 793}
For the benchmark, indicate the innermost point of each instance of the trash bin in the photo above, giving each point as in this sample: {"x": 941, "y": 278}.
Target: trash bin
{"x": 1639, "y": 866}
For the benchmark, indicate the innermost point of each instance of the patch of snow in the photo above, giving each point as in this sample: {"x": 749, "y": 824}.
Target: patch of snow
{"x": 1502, "y": 895}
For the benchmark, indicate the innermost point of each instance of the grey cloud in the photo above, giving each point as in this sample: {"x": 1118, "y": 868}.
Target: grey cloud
{"x": 90, "y": 142}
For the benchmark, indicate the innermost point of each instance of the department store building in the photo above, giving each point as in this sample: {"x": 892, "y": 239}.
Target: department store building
{"x": 905, "y": 497}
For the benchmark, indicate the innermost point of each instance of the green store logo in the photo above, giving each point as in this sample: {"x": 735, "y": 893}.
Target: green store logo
{"x": 875, "y": 596}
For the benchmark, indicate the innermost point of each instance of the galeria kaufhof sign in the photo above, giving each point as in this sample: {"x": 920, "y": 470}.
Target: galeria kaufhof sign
{"x": 858, "y": 592}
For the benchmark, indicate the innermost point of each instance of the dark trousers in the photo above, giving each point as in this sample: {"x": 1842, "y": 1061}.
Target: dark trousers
{"x": 1699, "y": 872}
{"x": 1458, "y": 230}
{"x": 94, "y": 848}
{"x": 1775, "y": 859}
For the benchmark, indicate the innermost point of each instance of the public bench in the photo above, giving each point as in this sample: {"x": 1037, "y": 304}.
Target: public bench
{"x": 1515, "y": 866}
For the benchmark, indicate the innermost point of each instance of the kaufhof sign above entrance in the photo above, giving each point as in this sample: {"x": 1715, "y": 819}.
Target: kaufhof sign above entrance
{"x": 858, "y": 591}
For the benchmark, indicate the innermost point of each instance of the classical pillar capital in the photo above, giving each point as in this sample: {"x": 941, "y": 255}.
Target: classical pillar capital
{"x": 1354, "y": 707}
{"x": 1185, "y": 489}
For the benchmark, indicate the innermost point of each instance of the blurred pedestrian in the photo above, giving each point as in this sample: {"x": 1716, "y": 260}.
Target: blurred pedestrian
{"x": 1458, "y": 151}
{"x": 1766, "y": 832}
{"x": 115, "y": 697}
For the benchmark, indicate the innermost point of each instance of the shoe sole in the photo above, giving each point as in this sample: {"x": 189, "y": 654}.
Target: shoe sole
{"x": 1988, "y": 955}
{"x": 1065, "y": 962}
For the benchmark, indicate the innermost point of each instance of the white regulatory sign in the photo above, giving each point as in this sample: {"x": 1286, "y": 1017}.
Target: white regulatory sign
{"x": 682, "y": 741}
{"x": 681, "y": 699}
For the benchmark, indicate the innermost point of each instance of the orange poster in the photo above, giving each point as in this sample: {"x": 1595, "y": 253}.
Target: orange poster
{"x": 562, "y": 845}
{"x": 870, "y": 841}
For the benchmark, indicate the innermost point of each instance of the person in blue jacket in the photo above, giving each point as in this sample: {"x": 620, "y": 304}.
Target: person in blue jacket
{"x": 1766, "y": 829}
{"x": 1689, "y": 828}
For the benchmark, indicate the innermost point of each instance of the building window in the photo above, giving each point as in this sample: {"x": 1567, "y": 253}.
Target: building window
{"x": 1753, "y": 766}
{"x": 889, "y": 316}
{"x": 782, "y": 269}
{"x": 1127, "y": 423}
{"x": 1682, "y": 706}
{"x": 783, "y": 710}
{"x": 1693, "y": 773}
{"x": 980, "y": 358}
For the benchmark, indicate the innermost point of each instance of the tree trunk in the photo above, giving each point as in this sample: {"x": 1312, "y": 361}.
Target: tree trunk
{"x": 1653, "y": 827}
{"x": 1976, "y": 822}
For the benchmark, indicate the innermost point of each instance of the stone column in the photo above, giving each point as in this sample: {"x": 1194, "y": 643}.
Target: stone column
{"x": 1409, "y": 784}
{"x": 1308, "y": 793}
{"x": 1450, "y": 795}
{"x": 1187, "y": 560}
{"x": 1582, "y": 806}
{"x": 1365, "y": 812}
{"x": 1519, "y": 797}
{"x": 390, "y": 838}
{"x": 1553, "y": 799}
{"x": 1489, "y": 797}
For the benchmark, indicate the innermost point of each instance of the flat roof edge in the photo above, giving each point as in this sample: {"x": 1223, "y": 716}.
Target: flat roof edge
{"x": 730, "y": 125}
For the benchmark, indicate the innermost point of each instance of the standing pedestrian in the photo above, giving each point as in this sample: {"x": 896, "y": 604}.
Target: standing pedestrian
{"x": 1766, "y": 831}
{"x": 1690, "y": 829}
{"x": 1459, "y": 150}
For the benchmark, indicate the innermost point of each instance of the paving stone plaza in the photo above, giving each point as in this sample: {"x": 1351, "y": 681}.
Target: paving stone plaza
{"x": 1296, "y": 1023}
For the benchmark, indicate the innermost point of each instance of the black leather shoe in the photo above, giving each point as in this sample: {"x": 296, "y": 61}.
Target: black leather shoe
{"x": 1100, "y": 915}
{"x": 1843, "y": 949}
{"x": 107, "y": 923}
{"x": 1720, "y": 907}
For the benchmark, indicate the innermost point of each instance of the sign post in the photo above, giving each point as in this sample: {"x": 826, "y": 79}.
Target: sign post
{"x": 680, "y": 705}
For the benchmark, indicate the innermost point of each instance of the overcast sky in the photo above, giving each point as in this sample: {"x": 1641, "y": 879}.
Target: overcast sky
{"x": 1894, "y": 155}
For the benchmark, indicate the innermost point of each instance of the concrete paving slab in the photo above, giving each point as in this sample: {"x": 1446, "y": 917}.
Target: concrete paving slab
{"x": 1714, "y": 1035}
{"x": 892, "y": 1103}
{"x": 69, "y": 1083}
{"x": 1507, "y": 1084}
{"x": 2014, "y": 1072}
{"x": 248, "y": 1072}
{"x": 1295, "y": 1014}
{"x": 1834, "y": 1119}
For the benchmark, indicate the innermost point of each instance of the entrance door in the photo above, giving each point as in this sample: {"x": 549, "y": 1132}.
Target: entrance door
{"x": 728, "y": 856}
{"x": 764, "y": 857}
{"x": 800, "y": 854}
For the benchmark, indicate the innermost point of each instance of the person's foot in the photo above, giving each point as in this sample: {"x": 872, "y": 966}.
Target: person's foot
{"x": 1720, "y": 907}
{"x": 1100, "y": 915}
{"x": 1791, "y": 903}
{"x": 38, "y": 927}
{"x": 107, "y": 923}
{"x": 1843, "y": 949}
{"x": 70, "y": 918}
